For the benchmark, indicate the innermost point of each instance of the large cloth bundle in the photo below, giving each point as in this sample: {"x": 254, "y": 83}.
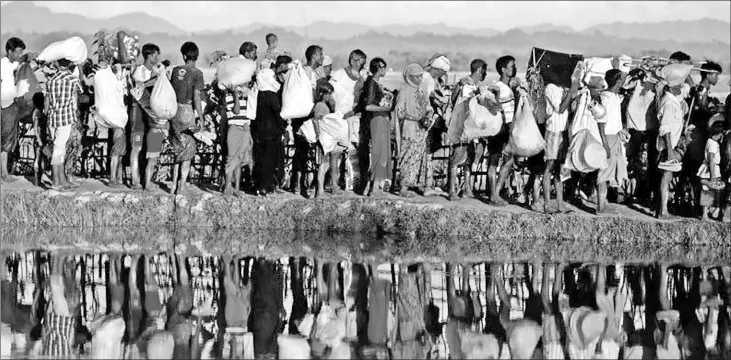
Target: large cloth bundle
{"x": 455, "y": 130}
{"x": 234, "y": 72}
{"x": 333, "y": 130}
{"x": 554, "y": 67}
{"x": 297, "y": 97}
{"x": 674, "y": 74}
{"x": 480, "y": 122}
{"x": 344, "y": 99}
{"x": 163, "y": 100}
{"x": 525, "y": 138}
{"x": 109, "y": 100}
{"x": 120, "y": 46}
{"x": 72, "y": 49}
{"x": 597, "y": 67}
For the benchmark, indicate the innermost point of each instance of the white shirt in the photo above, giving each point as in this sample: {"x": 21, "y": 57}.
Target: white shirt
{"x": 428, "y": 83}
{"x": 7, "y": 89}
{"x": 507, "y": 100}
{"x": 637, "y": 109}
{"x": 556, "y": 122}
{"x": 311, "y": 74}
{"x": 671, "y": 115}
{"x": 341, "y": 76}
{"x": 613, "y": 119}
{"x": 141, "y": 75}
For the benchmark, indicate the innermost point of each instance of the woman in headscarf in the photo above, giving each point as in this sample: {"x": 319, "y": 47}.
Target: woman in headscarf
{"x": 414, "y": 117}
{"x": 377, "y": 114}
{"x": 268, "y": 129}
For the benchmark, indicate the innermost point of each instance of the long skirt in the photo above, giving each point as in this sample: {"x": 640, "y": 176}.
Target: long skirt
{"x": 415, "y": 165}
{"x": 267, "y": 158}
{"x": 181, "y": 141}
{"x": 616, "y": 172}
{"x": 381, "y": 165}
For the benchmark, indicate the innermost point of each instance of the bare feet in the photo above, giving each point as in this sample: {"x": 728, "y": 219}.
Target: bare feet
{"x": 227, "y": 190}
{"x": 498, "y": 201}
{"x": 8, "y": 179}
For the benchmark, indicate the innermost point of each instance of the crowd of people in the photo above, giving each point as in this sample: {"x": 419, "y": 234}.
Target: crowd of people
{"x": 355, "y": 311}
{"x": 665, "y": 139}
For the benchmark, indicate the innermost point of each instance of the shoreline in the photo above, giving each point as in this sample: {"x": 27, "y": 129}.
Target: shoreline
{"x": 389, "y": 227}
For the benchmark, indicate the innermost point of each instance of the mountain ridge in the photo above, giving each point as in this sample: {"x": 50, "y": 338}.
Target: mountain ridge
{"x": 24, "y": 15}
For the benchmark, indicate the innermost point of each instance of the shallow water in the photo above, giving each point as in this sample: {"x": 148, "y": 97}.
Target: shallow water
{"x": 90, "y": 252}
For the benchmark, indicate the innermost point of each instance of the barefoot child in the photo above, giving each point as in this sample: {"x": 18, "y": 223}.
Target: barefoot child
{"x": 709, "y": 173}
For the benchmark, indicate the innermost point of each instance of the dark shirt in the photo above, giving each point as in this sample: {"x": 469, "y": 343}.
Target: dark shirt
{"x": 185, "y": 80}
{"x": 727, "y": 113}
{"x": 268, "y": 126}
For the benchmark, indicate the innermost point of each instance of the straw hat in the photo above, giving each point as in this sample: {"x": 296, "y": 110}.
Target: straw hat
{"x": 594, "y": 155}
{"x": 585, "y": 326}
{"x": 523, "y": 338}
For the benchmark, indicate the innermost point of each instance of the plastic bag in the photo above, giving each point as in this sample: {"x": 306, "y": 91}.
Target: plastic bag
{"x": 163, "y": 101}
{"x": 307, "y": 130}
{"x": 525, "y": 138}
{"x": 72, "y": 49}
{"x": 235, "y": 72}
{"x": 109, "y": 100}
{"x": 480, "y": 122}
{"x": 344, "y": 99}
{"x": 333, "y": 130}
{"x": 297, "y": 101}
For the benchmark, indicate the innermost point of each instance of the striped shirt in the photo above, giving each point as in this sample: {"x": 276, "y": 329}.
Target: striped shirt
{"x": 63, "y": 93}
{"x": 234, "y": 119}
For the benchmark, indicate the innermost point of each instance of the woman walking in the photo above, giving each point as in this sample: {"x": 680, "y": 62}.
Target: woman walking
{"x": 377, "y": 113}
{"x": 267, "y": 129}
{"x": 414, "y": 114}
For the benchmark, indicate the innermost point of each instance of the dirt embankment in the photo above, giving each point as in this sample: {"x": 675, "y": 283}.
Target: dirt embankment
{"x": 345, "y": 226}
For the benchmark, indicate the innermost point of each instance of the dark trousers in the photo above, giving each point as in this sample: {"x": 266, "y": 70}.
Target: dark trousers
{"x": 267, "y": 153}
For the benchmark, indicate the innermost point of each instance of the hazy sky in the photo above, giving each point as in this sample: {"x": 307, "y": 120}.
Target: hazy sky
{"x": 501, "y": 15}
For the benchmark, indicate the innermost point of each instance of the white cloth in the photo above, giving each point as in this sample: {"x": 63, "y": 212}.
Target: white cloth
{"x": 141, "y": 75}
{"x": 342, "y": 78}
{"x": 613, "y": 119}
{"x": 266, "y": 81}
{"x": 639, "y": 105}
{"x": 428, "y": 84}
{"x": 60, "y": 136}
{"x": 7, "y": 89}
{"x": 713, "y": 148}
{"x": 556, "y": 122}
{"x": 326, "y": 60}
{"x": 441, "y": 63}
{"x": 671, "y": 115}
{"x": 507, "y": 100}
{"x": 311, "y": 74}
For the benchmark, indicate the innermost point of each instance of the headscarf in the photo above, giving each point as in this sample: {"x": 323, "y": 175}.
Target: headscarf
{"x": 326, "y": 60}
{"x": 266, "y": 81}
{"x": 440, "y": 62}
{"x": 410, "y": 94}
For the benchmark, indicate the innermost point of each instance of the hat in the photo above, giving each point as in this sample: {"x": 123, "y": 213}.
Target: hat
{"x": 670, "y": 165}
{"x": 441, "y": 63}
{"x": 594, "y": 155}
{"x": 523, "y": 337}
{"x": 585, "y": 326}
{"x": 326, "y": 60}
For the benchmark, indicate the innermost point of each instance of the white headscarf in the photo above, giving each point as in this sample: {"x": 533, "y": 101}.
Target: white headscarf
{"x": 441, "y": 63}
{"x": 266, "y": 81}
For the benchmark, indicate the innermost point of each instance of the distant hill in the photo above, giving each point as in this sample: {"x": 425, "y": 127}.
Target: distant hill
{"x": 398, "y": 51}
{"x": 704, "y": 30}
{"x": 28, "y": 17}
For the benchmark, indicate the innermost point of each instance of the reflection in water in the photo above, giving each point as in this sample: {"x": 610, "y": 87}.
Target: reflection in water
{"x": 164, "y": 305}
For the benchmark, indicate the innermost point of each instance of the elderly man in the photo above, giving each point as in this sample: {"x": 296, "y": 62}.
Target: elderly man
{"x": 438, "y": 66}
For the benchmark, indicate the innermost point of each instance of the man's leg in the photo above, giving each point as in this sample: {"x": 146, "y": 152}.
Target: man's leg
{"x": 667, "y": 176}
{"x": 134, "y": 159}
{"x": 601, "y": 203}
{"x": 504, "y": 172}
{"x": 547, "y": 172}
{"x": 119, "y": 146}
{"x": 183, "y": 180}
{"x": 60, "y": 138}
{"x": 153, "y": 141}
{"x": 233, "y": 140}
